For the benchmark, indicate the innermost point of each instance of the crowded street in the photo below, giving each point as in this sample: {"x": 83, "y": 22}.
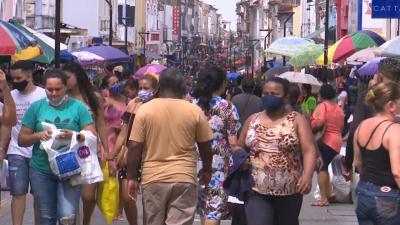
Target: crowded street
{"x": 339, "y": 214}
{"x": 199, "y": 112}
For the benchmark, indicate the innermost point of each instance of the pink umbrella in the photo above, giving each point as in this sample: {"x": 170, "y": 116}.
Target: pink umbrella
{"x": 156, "y": 69}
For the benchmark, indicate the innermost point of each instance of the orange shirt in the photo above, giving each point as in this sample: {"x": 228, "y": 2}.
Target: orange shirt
{"x": 333, "y": 118}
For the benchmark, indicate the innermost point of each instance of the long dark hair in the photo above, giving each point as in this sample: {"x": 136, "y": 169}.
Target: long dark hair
{"x": 209, "y": 80}
{"x": 84, "y": 85}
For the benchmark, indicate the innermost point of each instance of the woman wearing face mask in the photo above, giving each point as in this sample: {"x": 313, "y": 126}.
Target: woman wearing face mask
{"x": 223, "y": 119}
{"x": 148, "y": 85}
{"x": 282, "y": 158}
{"x": 79, "y": 87}
{"x": 377, "y": 158}
{"x": 58, "y": 200}
{"x": 327, "y": 116}
{"x": 114, "y": 108}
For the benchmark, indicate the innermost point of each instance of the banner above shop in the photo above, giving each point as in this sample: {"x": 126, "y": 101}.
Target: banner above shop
{"x": 385, "y": 9}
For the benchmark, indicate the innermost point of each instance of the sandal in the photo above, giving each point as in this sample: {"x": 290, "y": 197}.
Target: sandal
{"x": 120, "y": 218}
{"x": 320, "y": 203}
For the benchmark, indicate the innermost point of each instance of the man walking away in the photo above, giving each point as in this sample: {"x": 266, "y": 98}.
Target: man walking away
{"x": 24, "y": 94}
{"x": 247, "y": 103}
{"x": 166, "y": 130}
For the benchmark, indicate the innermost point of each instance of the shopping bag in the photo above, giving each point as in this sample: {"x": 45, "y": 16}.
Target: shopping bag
{"x": 62, "y": 153}
{"x": 108, "y": 195}
{"x": 4, "y": 176}
{"x": 87, "y": 158}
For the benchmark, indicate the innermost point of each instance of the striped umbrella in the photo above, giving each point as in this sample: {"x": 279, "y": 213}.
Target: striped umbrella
{"x": 350, "y": 44}
{"x": 17, "y": 43}
{"x": 46, "y": 43}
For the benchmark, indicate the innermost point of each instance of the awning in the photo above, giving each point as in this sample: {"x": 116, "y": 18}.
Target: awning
{"x": 317, "y": 33}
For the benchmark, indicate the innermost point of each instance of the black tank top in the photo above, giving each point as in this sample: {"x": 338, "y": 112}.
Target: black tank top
{"x": 376, "y": 163}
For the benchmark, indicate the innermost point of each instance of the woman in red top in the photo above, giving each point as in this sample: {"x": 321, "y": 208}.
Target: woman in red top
{"x": 328, "y": 116}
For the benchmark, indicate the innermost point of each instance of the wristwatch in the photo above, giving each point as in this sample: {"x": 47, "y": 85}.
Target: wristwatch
{"x": 79, "y": 137}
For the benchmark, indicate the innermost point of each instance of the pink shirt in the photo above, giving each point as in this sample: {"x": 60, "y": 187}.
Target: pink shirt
{"x": 333, "y": 118}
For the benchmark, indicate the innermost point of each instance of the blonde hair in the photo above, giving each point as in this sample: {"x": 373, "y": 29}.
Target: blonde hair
{"x": 381, "y": 94}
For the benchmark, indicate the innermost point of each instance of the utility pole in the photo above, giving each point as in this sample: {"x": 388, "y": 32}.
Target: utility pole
{"x": 317, "y": 15}
{"x": 144, "y": 44}
{"x": 265, "y": 45}
{"x": 290, "y": 15}
{"x": 326, "y": 32}
{"x": 57, "y": 35}
{"x": 111, "y": 23}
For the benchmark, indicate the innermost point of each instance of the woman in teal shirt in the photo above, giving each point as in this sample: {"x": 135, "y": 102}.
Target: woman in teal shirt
{"x": 57, "y": 199}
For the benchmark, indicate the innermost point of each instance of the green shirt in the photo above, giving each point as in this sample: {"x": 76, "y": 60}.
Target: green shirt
{"x": 73, "y": 115}
{"x": 309, "y": 105}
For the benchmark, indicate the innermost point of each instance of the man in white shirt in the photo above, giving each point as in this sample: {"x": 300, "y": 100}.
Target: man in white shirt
{"x": 24, "y": 94}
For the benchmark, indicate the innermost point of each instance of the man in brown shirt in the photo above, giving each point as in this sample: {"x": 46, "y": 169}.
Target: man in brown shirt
{"x": 165, "y": 133}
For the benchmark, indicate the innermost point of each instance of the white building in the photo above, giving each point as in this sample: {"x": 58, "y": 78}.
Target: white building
{"x": 12, "y": 9}
{"x": 96, "y": 20}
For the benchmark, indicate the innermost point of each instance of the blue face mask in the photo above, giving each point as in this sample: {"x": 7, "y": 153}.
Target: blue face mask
{"x": 272, "y": 103}
{"x": 116, "y": 89}
{"x": 145, "y": 95}
{"x": 58, "y": 103}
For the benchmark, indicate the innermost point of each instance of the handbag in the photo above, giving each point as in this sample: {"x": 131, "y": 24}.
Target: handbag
{"x": 122, "y": 157}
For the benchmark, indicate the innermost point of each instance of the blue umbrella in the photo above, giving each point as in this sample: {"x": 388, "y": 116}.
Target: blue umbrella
{"x": 232, "y": 76}
{"x": 370, "y": 68}
{"x": 108, "y": 53}
{"x": 66, "y": 56}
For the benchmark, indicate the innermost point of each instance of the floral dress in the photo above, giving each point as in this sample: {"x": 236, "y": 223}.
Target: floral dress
{"x": 223, "y": 119}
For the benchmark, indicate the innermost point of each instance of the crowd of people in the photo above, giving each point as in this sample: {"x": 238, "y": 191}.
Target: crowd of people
{"x": 202, "y": 144}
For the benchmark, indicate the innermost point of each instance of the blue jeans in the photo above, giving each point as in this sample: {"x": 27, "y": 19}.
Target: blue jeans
{"x": 376, "y": 207}
{"x": 58, "y": 201}
{"x": 18, "y": 167}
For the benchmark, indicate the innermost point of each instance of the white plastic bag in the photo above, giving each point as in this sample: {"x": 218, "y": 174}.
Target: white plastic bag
{"x": 4, "y": 176}
{"x": 340, "y": 187}
{"x": 87, "y": 157}
{"x": 62, "y": 153}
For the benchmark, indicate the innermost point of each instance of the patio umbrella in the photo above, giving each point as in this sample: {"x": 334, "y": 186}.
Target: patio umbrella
{"x": 15, "y": 41}
{"x": 109, "y": 54}
{"x": 362, "y": 56}
{"x": 88, "y": 58}
{"x": 232, "y": 76}
{"x": 288, "y": 46}
{"x": 300, "y": 78}
{"x": 350, "y": 44}
{"x": 46, "y": 43}
{"x": 370, "y": 68}
{"x": 278, "y": 70}
{"x": 390, "y": 48}
{"x": 156, "y": 69}
{"x": 306, "y": 56}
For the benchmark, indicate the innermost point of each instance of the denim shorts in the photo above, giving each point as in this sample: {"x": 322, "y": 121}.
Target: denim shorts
{"x": 377, "y": 205}
{"x": 57, "y": 200}
{"x": 18, "y": 167}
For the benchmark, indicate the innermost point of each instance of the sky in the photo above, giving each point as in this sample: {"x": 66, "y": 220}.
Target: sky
{"x": 227, "y": 9}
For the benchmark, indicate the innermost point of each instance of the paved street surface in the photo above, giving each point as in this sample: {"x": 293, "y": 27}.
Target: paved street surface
{"x": 336, "y": 214}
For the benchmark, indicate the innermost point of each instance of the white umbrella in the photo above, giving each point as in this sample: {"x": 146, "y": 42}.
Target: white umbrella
{"x": 300, "y": 78}
{"x": 390, "y": 48}
{"x": 362, "y": 56}
{"x": 88, "y": 58}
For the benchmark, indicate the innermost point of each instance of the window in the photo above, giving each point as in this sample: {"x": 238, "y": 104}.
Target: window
{"x": 130, "y": 15}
